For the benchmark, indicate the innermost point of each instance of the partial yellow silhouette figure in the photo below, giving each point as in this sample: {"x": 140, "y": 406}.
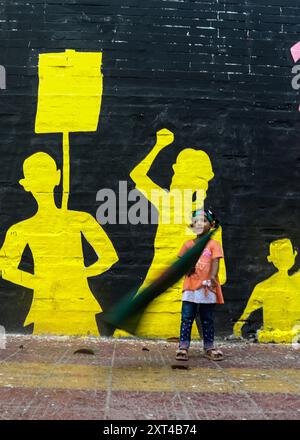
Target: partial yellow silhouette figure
{"x": 278, "y": 296}
{"x": 62, "y": 301}
{"x": 69, "y": 100}
{"x": 192, "y": 172}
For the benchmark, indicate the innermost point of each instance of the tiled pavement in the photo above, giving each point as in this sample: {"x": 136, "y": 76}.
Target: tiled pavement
{"x": 42, "y": 378}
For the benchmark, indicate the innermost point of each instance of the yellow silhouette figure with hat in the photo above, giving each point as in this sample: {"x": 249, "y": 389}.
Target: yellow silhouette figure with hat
{"x": 192, "y": 172}
{"x": 278, "y": 296}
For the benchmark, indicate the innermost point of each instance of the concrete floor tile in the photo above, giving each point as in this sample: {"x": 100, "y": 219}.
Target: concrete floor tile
{"x": 42, "y": 378}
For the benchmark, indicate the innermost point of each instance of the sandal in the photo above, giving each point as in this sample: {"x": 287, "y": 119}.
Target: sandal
{"x": 214, "y": 355}
{"x": 182, "y": 355}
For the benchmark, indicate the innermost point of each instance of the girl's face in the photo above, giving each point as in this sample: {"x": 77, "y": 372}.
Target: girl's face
{"x": 200, "y": 224}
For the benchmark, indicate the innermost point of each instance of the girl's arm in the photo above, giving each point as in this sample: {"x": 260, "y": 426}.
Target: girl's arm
{"x": 214, "y": 271}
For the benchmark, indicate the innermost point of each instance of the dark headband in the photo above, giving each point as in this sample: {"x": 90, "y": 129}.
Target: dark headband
{"x": 209, "y": 215}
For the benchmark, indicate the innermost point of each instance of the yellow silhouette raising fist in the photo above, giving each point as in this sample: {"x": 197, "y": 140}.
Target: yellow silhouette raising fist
{"x": 192, "y": 172}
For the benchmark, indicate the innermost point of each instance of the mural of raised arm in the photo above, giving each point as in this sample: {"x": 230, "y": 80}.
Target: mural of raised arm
{"x": 192, "y": 172}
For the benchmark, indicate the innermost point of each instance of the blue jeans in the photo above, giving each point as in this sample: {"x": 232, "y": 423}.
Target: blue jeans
{"x": 188, "y": 314}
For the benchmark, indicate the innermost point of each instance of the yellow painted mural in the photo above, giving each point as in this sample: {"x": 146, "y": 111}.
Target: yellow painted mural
{"x": 192, "y": 172}
{"x": 279, "y": 298}
{"x": 69, "y": 99}
{"x": 62, "y": 301}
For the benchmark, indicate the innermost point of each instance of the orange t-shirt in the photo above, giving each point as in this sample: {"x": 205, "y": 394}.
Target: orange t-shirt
{"x": 212, "y": 250}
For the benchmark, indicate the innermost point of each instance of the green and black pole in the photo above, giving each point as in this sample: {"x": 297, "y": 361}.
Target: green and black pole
{"x": 128, "y": 312}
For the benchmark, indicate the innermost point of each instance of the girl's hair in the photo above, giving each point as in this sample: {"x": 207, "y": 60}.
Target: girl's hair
{"x": 211, "y": 217}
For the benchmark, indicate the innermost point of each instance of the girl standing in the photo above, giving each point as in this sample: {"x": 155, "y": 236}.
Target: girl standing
{"x": 201, "y": 288}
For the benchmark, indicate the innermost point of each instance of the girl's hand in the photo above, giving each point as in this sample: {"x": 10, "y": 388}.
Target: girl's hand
{"x": 214, "y": 281}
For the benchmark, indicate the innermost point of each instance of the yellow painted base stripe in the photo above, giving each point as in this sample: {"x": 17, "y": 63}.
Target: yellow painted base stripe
{"x": 89, "y": 377}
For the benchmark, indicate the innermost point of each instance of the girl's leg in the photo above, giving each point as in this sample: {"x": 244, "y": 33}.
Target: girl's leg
{"x": 198, "y": 321}
{"x": 188, "y": 313}
{"x": 206, "y": 312}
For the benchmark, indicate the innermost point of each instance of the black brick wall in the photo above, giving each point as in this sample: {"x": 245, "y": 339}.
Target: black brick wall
{"x": 216, "y": 72}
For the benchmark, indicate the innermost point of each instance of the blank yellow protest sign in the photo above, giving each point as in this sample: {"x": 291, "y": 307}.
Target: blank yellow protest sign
{"x": 70, "y": 92}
